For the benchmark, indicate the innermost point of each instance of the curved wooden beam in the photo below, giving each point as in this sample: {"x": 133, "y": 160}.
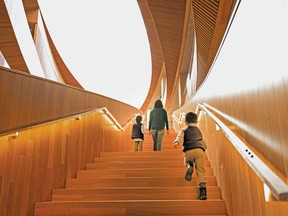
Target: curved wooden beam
{"x": 8, "y": 42}
{"x": 169, "y": 17}
{"x": 156, "y": 53}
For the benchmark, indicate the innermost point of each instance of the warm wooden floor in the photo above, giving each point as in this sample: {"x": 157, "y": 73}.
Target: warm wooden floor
{"x": 135, "y": 183}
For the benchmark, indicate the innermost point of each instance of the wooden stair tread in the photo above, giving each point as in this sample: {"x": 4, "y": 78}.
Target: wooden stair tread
{"x": 143, "y": 164}
{"x": 141, "y": 153}
{"x": 141, "y": 158}
{"x": 147, "y": 193}
{"x": 120, "y": 190}
{"x": 136, "y": 196}
{"x": 134, "y": 158}
{"x": 134, "y": 207}
{"x": 136, "y": 182}
{"x": 136, "y": 172}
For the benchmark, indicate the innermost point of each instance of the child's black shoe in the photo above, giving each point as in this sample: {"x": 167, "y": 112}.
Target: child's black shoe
{"x": 189, "y": 172}
{"x": 202, "y": 194}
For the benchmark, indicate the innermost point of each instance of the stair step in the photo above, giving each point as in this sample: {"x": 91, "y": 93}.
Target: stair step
{"x": 132, "y": 207}
{"x": 144, "y": 193}
{"x": 137, "y": 157}
{"x": 144, "y": 172}
{"x": 141, "y": 153}
{"x": 141, "y": 158}
{"x": 150, "y": 147}
{"x": 135, "y": 182}
{"x": 112, "y": 164}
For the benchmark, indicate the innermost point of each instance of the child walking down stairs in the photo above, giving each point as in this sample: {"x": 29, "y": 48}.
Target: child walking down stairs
{"x": 135, "y": 183}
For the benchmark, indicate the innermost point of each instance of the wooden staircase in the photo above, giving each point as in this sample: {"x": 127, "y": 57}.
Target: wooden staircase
{"x": 135, "y": 183}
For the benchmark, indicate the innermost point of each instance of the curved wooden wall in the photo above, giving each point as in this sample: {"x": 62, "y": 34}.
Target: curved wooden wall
{"x": 171, "y": 26}
{"x": 241, "y": 188}
{"x": 28, "y": 100}
{"x": 253, "y": 107}
{"x": 169, "y": 22}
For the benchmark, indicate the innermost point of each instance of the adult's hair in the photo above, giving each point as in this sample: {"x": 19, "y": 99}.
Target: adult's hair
{"x": 138, "y": 119}
{"x": 158, "y": 104}
{"x": 191, "y": 117}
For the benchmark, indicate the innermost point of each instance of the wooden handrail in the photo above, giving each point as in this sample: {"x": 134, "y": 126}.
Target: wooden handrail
{"x": 278, "y": 187}
{"x": 14, "y": 133}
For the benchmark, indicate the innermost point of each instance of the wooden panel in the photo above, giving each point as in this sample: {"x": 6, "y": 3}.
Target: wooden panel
{"x": 169, "y": 17}
{"x": 30, "y": 4}
{"x": 211, "y": 20}
{"x": 171, "y": 21}
{"x": 226, "y": 161}
{"x": 27, "y": 100}
{"x": 42, "y": 158}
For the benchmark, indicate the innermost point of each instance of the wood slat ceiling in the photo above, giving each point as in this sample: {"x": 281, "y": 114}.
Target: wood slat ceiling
{"x": 210, "y": 19}
{"x": 30, "y": 4}
{"x": 169, "y": 16}
{"x": 205, "y": 14}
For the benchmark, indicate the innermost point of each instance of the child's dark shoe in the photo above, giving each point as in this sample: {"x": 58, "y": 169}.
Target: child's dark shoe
{"x": 202, "y": 194}
{"x": 189, "y": 172}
